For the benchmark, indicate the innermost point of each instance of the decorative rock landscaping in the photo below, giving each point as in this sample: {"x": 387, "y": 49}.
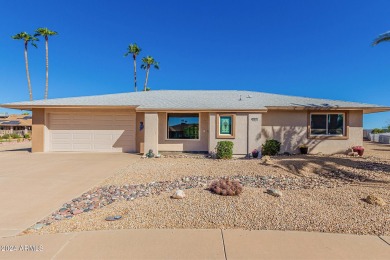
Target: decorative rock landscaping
{"x": 103, "y": 196}
{"x": 318, "y": 193}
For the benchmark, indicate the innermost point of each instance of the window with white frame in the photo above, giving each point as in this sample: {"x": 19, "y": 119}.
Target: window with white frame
{"x": 331, "y": 124}
{"x": 183, "y": 126}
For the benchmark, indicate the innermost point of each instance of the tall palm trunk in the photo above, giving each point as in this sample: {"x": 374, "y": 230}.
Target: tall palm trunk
{"x": 27, "y": 71}
{"x": 147, "y": 76}
{"x": 47, "y": 66}
{"x": 135, "y": 72}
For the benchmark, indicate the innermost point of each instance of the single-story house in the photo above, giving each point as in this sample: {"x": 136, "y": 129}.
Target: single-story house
{"x": 15, "y": 124}
{"x": 194, "y": 121}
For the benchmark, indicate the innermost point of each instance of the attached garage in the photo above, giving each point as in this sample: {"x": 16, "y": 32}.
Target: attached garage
{"x": 103, "y": 131}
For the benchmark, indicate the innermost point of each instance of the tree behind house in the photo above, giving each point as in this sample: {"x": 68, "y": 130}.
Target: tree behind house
{"x": 45, "y": 33}
{"x": 134, "y": 50}
{"x": 148, "y": 62}
{"x": 27, "y": 38}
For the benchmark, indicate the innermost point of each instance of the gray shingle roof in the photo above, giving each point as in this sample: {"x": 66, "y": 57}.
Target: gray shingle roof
{"x": 194, "y": 100}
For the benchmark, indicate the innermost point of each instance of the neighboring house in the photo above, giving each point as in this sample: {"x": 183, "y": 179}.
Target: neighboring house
{"x": 194, "y": 121}
{"x": 15, "y": 124}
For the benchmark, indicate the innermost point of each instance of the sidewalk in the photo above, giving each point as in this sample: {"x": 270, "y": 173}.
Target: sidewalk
{"x": 196, "y": 244}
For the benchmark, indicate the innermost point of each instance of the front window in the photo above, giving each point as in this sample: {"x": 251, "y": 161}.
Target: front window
{"x": 327, "y": 124}
{"x": 183, "y": 126}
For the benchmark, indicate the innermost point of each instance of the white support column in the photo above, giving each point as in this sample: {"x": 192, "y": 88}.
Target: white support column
{"x": 151, "y": 132}
{"x": 212, "y": 132}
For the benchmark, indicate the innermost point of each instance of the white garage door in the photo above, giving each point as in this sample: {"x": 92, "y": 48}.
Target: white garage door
{"x": 92, "y": 132}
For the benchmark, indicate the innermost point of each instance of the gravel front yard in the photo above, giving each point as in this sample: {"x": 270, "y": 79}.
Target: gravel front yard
{"x": 338, "y": 210}
{"x": 319, "y": 193}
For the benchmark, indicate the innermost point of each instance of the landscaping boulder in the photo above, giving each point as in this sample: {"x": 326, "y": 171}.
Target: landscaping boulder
{"x": 375, "y": 200}
{"x": 353, "y": 154}
{"x": 179, "y": 194}
{"x": 38, "y": 226}
{"x": 266, "y": 159}
{"x": 113, "y": 218}
{"x": 274, "y": 192}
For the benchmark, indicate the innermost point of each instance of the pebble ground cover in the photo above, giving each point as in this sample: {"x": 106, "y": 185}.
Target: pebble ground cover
{"x": 320, "y": 193}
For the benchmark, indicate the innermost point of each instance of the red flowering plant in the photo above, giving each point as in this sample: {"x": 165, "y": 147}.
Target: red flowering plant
{"x": 358, "y": 149}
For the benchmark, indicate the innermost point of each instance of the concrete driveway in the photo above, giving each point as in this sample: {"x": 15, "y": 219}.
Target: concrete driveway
{"x": 32, "y": 186}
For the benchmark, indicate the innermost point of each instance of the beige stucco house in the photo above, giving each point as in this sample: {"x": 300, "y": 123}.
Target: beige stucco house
{"x": 194, "y": 121}
{"x": 15, "y": 124}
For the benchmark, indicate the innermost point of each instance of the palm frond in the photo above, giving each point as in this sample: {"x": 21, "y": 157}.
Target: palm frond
{"x": 382, "y": 38}
{"x": 26, "y": 38}
{"x": 134, "y": 49}
{"x": 20, "y": 36}
{"x": 149, "y": 61}
{"x": 44, "y": 32}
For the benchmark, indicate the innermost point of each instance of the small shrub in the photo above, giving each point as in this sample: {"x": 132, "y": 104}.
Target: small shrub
{"x": 271, "y": 147}
{"x": 27, "y": 136}
{"x": 224, "y": 150}
{"x": 226, "y": 187}
{"x": 15, "y": 136}
{"x": 6, "y": 136}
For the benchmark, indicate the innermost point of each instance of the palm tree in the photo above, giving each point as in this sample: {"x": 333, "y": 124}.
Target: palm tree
{"x": 134, "y": 49}
{"x": 382, "y": 38}
{"x": 46, "y": 33}
{"x": 148, "y": 61}
{"x": 27, "y": 38}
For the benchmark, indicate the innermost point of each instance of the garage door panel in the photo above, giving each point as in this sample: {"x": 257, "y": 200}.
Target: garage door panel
{"x": 60, "y": 126}
{"x": 82, "y": 136}
{"x": 61, "y": 136}
{"x": 92, "y": 132}
{"x": 81, "y": 122}
{"x": 61, "y": 117}
{"x": 101, "y": 138}
{"x": 103, "y": 117}
{"x": 81, "y": 147}
{"x": 125, "y": 123}
{"x": 62, "y": 146}
{"x": 124, "y": 117}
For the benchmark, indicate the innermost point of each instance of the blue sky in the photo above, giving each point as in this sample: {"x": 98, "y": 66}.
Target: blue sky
{"x": 305, "y": 48}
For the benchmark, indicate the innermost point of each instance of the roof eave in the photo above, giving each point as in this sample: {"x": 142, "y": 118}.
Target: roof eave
{"x": 199, "y": 110}
{"x": 371, "y": 110}
{"x": 30, "y": 107}
{"x": 366, "y": 110}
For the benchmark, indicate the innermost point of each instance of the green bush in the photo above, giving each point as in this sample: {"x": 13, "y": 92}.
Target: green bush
{"x": 224, "y": 150}
{"x": 6, "y": 136}
{"x": 15, "y": 136}
{"x": 377, "y": 131}
{"x": 271, "y": 147}
{"x": 27, "y": 136}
